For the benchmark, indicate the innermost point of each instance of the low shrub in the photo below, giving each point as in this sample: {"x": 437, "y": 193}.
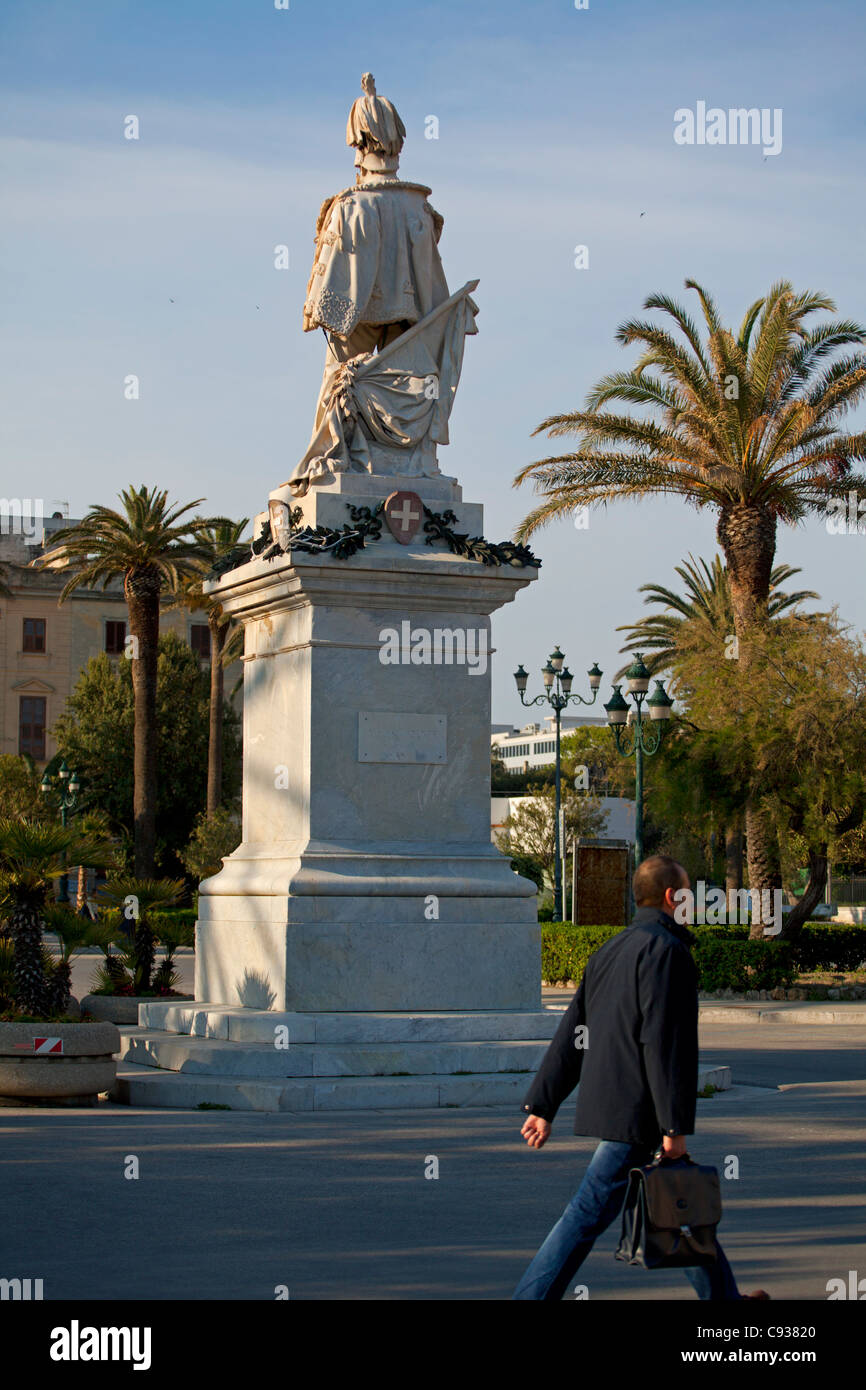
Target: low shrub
{"x": 565, "y": 949}
{"x": 742, "y": 965}
{"x": 826, "y": 946}
{"x": 725, "y": 956}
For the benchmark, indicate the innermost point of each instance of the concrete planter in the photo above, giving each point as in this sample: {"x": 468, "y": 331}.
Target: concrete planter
{"x": 123, "y": 1008}
{"x": 56, "y": 1063}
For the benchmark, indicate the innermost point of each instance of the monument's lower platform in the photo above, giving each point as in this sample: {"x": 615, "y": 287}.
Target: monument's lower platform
{"x": 185, "y": 1055}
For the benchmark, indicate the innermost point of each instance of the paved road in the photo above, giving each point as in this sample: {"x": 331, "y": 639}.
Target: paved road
{"x": 771, "y": 1054}
{"x": 231, "y": 1204}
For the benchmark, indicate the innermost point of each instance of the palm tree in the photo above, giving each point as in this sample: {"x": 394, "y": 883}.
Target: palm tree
{"x": 153, "y": 551}
{"x": 746, "y": 424}
{"x": 32, "y": 855}
{"x": 701, "y": 618}
{"x": 221, "y": 541}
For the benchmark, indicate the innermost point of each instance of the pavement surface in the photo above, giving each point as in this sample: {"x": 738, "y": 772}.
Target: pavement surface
{"x": 229, "y": 1205}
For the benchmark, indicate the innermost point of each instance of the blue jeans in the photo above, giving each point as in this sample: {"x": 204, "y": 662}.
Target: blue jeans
{"x": 596, "y": 1204}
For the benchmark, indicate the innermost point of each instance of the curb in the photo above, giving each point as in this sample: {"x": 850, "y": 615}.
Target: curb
{"x": 795, "y": 1013}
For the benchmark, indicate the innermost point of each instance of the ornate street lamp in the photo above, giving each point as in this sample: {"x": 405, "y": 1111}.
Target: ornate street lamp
{"x": 557, "y": 693}
{"x": 65, "y": 787}
{"x": 633, "y": 739}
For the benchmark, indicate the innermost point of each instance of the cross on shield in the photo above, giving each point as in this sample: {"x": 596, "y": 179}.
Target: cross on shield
{"x": 403, "y": 513}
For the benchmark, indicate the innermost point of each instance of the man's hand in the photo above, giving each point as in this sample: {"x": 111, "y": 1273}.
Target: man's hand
{"x": 674, "y": 1145}
{"x": 536, "y": 1131}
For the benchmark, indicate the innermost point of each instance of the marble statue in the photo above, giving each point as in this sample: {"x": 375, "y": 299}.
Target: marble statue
{"x": 394, "y": 332}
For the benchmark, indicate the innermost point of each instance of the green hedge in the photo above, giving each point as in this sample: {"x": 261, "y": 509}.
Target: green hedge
{"x": 825, "y": 946}
{"x": 743, "y": 965}
{"x": 725, "y": 956}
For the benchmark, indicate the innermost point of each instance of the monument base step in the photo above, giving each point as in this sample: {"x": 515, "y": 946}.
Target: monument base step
{"x": 144, "y": 1086}
{"x": 186, "y": 1055}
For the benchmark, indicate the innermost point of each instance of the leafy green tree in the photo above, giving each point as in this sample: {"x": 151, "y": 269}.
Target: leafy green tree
{"x": 152, "y": 550}
{"x": 591, "y": 763}
{"x": 95, "y": 734}
{"x": 799, "y": 723}
{"x": 214, "y": 837}
{"x": 692, "y": 787}
{"x": 747, "y": 423}
{"x": 529, "y": 830}
{"x": 20, "y": 797}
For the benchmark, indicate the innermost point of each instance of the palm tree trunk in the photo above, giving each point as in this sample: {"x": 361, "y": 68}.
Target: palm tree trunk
{"x": 747, "y": 535}
{"x": 215, "y": 732}
{"x": 31, "y": 987}
{"x": 733, "y": 862}
{"x": 142, "y": 597}
{"x": 144, "y": 948}
{"x": 81, "y": 894}
{"x": 60, "y": 987}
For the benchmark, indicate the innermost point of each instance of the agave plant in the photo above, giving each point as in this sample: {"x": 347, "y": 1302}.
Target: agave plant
{"x": 138, "y": 899}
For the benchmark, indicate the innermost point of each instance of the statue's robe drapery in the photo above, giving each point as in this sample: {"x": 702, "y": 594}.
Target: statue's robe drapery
{"x": 398, "y": 399}
{"x": 377, "y": 259}
{"x": 377, "y": 273}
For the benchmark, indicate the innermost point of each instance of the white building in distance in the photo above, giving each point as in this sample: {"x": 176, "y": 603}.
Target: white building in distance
{"x": 534, "y": 745}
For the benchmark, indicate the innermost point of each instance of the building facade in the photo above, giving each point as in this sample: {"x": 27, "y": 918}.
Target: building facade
{"x": 534, "y": 745}
{"x": 44, "y": 645}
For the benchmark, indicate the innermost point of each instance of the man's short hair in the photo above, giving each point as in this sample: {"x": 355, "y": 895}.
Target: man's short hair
{"x": 654, "y": 876}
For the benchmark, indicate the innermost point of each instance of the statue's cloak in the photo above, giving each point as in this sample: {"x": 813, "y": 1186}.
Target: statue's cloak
{"x": 377, "y": 258}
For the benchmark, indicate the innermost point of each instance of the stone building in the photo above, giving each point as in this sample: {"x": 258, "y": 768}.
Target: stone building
{"x": 44, "y": 646}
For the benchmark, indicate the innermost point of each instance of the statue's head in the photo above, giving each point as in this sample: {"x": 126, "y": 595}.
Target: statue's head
{"x": 375, "y": 130}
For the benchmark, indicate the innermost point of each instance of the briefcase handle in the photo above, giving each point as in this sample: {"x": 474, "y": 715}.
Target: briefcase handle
{"x": 660, "y": 1157}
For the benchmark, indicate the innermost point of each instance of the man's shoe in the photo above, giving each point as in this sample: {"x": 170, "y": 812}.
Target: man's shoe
{"x": 758, "y": 1293}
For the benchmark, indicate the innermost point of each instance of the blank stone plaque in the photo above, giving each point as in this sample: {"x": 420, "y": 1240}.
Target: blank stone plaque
{"x": 401, "y": 738}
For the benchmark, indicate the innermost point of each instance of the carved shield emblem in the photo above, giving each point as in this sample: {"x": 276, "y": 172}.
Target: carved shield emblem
{"x": 404, "y": 512}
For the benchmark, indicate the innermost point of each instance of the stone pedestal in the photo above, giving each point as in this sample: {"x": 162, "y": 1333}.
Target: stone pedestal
{"x": 367, "y": 880}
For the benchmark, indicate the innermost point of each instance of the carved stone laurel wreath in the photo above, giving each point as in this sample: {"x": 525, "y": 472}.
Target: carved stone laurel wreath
{"x": 438, "y": 526}
{"x": 367, "y": 526}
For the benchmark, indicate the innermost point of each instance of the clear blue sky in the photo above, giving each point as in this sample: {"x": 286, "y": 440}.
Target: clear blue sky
{"x": 555, "y": 129}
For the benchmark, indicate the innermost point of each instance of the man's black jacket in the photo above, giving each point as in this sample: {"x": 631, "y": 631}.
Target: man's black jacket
{"x": 637, "y": 1009}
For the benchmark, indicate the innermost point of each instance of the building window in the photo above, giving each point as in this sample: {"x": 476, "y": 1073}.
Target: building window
{"x": 34, "y": 635}
{"x": 199, "y": 640}
{"x": 115, "y": 636}
{"x": 31, "y": 725}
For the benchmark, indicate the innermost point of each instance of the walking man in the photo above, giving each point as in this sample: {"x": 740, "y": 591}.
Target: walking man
{"x": 630, "y": 1037}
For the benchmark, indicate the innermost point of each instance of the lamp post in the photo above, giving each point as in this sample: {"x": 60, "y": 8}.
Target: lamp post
{"x": 67, "y": 789}
{"x": 638, "y": 742}
{"x": 557, "y": 693}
